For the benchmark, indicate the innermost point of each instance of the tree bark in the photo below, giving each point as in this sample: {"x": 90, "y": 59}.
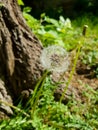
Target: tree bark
{"x": 20, "y": 51}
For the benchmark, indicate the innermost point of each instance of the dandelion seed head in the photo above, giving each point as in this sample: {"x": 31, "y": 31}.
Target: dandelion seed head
{"x": 55, "y": 58}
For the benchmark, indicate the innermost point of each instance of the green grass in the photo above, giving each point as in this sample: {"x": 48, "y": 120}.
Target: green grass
{"x": 52, "y": 115}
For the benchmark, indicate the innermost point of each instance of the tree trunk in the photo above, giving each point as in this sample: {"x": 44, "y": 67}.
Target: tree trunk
{"x": 20, "y": 50}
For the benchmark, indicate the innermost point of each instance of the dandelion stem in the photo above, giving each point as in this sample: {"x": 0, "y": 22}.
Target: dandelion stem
{"x": 71, "y": 74}
{"x": 38, "y": 92}
{"x": 75, "y": 61}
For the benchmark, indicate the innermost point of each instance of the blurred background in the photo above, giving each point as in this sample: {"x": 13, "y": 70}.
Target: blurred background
{"x": 67, "y": 8}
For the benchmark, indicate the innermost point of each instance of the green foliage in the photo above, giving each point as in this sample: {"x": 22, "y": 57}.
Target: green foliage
{"x": 89, "y": 52}
{"x": 55, "y": 115}
{"x": 51, "y": 31}
{"x": 52, "y": 115}
{"x": 20, "y": 2}
{"x": 65, "y": 33}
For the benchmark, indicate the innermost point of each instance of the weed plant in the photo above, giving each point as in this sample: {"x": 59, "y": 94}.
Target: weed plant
{"x": 65, "y": 33}
{"x": 51, "y": 115}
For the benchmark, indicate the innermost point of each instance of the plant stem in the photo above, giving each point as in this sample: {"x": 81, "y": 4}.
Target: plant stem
{"x": 74, "y": 65}
{"x": 75, "y": 61}
{"x": 71, "y": 74}
{"x": 37, "y": 92}
{"x": 32, "y": 99}
{"x": 14, "y": 107}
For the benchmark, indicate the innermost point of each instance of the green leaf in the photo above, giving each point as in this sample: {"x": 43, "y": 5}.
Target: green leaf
{"x": 27, "y": 9}
{"x": 20, "y": 2}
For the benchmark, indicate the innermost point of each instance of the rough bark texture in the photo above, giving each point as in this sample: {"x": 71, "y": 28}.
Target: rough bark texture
{"x": 19, "y": 53}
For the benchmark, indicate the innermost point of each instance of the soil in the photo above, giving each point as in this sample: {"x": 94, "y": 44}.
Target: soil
{"x": 82, "y": 77}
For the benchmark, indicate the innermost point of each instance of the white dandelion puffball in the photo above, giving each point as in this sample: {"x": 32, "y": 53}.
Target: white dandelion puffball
{"x": 55, "y": 58}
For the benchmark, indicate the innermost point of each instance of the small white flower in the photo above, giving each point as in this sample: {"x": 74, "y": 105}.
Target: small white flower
{"x": 55, "y": 58}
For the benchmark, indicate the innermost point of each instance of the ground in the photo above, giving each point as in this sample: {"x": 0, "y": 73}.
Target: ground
{"x": 81, "y": 78}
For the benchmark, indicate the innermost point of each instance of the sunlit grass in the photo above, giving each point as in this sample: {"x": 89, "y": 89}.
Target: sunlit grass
{"x": 52, "y": 115}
